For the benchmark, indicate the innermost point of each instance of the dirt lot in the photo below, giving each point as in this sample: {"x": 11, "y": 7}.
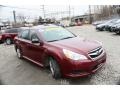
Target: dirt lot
{"x": 15, "y": 71}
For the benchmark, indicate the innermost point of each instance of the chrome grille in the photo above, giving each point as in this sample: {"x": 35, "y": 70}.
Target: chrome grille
{"x": 96, "y": 52}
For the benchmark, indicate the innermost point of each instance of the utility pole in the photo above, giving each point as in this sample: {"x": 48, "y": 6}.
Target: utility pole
{"x": 69, "y": 13}
{"x": 90, "y": 18}
{"x": 73, "y": 12}
{"x": 14, "y": 16}
{"x": 0, "y": 11}
{"x": 43, "y": 8}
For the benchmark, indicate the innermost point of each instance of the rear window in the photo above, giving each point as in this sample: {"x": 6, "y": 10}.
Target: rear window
{"x": 13, "y": 31}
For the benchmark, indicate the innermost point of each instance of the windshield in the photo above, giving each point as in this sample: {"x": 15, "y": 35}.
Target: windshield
{"x": 56, "y": 33}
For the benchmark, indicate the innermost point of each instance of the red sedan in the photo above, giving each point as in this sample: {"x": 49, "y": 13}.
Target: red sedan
{"x": 8, "y": 36}
{"x": 66, "y": 54}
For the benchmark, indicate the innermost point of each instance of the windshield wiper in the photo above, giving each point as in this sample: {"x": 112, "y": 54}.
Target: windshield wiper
{"x": 66, "y": 38}
{"x": 60, "y": 39}
{"x": 53, "y": 40}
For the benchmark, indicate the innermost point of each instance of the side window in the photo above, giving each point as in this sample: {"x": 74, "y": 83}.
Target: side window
{"x": 25, "y": 34}
{"x": 12, "y": 31}
{"x": 34, "y": 37}
{"x": 7, "y": 31}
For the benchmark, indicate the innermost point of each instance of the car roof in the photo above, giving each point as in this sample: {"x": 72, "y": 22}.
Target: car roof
{"x": 24, "y": 27}
{"x": 45, "y": 27}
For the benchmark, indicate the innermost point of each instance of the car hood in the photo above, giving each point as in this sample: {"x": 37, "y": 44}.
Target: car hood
{"x": 103, "y": 24}
{"x": 100, "y": 25}
{"x": 111, "y": 24}
{"x": 77, "y": 44}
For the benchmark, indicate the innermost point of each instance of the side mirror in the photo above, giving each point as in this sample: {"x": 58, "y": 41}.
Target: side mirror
{"x": 35, "y": 41}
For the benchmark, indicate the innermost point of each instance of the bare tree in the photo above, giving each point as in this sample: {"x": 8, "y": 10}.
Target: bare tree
{"x": 21, "y": 18}
{"x": 104, "y": 11}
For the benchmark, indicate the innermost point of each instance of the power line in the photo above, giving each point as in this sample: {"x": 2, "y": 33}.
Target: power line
{"x": 18, "y": 7}
{"x": 90, "y": 20}
{"x": 43, "y": 8}
{"x": 69, "y": 11}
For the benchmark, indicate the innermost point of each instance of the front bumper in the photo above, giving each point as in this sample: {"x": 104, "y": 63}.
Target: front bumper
{"x": 85, "y": 68}
{"x": 113, "y": 28}
{"x": 100, "y": 28}
{"x": 117, "y": 30}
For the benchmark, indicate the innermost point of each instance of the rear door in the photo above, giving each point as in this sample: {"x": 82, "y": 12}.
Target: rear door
{"x": 24, "y": 41}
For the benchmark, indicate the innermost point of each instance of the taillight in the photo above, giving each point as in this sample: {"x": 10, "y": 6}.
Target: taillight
{"x": 0, "y": 36}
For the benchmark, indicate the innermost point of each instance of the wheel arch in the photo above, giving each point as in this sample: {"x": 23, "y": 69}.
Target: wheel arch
{"x": 54, "y": 55}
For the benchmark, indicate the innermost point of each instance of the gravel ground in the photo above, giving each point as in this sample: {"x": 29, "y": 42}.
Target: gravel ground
{"x": 22, "y": 72}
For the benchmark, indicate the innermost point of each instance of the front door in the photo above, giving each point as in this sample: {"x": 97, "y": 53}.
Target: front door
{"x": 36, "y": 51}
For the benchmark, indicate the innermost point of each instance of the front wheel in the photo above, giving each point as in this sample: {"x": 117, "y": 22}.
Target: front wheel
{"x": 55, "y": 69}
{"x": 18, "y": 51}
{"x": 8, "y": 41}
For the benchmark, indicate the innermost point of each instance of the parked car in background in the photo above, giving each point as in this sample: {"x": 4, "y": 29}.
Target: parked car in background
{"x": 72, "y": 24}
{"x": 8, "y": 35}
{"x": 109, "y": 26}
{"x": 113, "y": 27}
{"x": 1, "y": 32}
{"x": 78, "y": 23}
{"x": 117, "y": 29}
{"x": 103, "y": 26}
{"x": 98, "y": 22}
{"x": 66, "y": 54}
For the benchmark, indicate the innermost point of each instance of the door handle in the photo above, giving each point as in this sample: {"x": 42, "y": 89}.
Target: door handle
{"x": 28, "y": 44}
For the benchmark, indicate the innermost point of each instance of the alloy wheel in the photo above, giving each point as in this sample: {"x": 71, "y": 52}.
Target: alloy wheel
{"x": 8, "y": 41}
{"x": 18, "y": 53}
{"x": 51, "y": 67}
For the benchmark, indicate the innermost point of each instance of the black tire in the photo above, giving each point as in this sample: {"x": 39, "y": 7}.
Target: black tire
{"x": 19, "y": 54}
{"x": 1, "y": 42}
{"x": 110, "y": 30}
{"x": 103, "y": 29}
{"x": 54, "y": 67}
{"x": 8, "y": 41}
{"x": 117, "y": 32}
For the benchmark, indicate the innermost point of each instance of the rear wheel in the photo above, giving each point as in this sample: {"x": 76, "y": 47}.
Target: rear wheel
{"x": 110, "y": 30}
{"x": 8, "y": 41}
{"x": 104, "y": 29}
{"x": 18, "y": 51}
{"x": 55, "y": 69}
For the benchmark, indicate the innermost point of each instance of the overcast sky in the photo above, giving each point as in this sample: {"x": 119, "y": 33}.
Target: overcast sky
{"x": 34, "y": 7}
{"x": 33, "y": 11}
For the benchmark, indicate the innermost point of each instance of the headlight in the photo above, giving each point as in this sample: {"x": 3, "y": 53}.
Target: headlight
{"x": 72, "y": 55}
